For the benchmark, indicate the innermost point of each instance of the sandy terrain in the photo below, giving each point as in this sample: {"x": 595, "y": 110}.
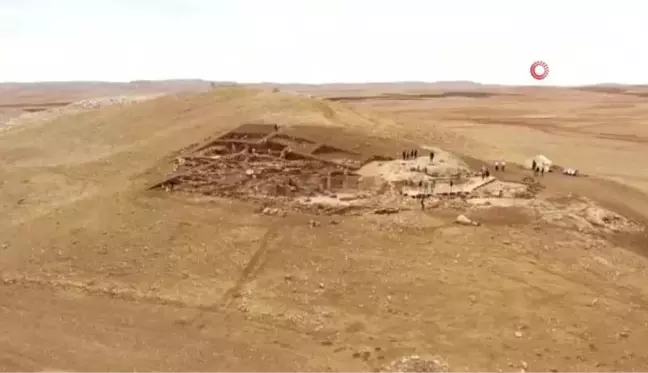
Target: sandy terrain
{"x": 101, "y": 272}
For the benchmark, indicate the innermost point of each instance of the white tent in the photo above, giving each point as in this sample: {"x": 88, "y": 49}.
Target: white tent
{"x": 540, "y": 160}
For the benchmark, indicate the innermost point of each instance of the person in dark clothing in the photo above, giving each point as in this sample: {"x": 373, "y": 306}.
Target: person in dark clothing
{"x": 534, "y": 165}
{"x": 487, "y": 173}
{"x": 415, "y": 153}
{"x": 276, "y": 127}
{"x": 431, "y": 156}
{"x": 542, "y": 171}
{"x": 404, "y": 155}
{"x": 422, "y": 203}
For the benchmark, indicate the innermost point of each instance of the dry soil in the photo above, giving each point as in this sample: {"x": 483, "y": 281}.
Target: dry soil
{"x": 99, "y": 273}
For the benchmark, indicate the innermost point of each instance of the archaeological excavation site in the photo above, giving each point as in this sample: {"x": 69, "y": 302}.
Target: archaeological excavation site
{"x": 310, "y": 169}
{"x": 272, "y": 165}
{"x": 259, "y": 162}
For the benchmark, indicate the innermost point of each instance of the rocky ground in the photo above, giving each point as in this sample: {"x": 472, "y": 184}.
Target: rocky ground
{"x": 10, "y": 121}
{"x": 100, "y": 273}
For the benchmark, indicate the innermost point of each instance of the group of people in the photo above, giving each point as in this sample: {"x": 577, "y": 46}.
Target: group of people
{"x": 485, "y": 172}
{"x": 410, "y": 154}
{"x": 499, "y": 166}
{"x": 537, "y": 168}
{"x": 413, "y": 154}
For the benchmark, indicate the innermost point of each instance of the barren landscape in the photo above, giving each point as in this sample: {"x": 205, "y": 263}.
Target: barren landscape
{"x": 192, "y": 226}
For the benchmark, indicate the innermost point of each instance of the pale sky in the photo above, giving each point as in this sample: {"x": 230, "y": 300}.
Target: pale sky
{"x": 319, "y": 41}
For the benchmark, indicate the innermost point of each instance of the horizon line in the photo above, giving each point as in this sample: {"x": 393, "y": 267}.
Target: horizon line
{"x": 232, "y": 82}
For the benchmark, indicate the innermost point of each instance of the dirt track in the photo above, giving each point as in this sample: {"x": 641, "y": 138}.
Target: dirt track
{"x": 99, "y": 274}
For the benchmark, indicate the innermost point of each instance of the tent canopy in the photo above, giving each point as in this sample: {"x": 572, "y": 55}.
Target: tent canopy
{"x": 540, "y": 160}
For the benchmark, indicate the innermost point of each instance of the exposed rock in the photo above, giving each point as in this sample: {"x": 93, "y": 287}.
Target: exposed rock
{"x": 416, "y": 363}
{"x": 272, "y": 211}
{"x": 464, "y": 220}
{"x": 73, "y": 108}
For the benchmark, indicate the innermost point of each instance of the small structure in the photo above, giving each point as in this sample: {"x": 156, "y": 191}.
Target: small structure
{"x": 541, "y": 161}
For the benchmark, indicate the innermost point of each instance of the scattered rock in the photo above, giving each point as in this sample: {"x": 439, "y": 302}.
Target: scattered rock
{"x": 313, "y": 223}
{"x": 272, "y": 211}
{"x": 416, "y": 363}
{"x": 249, "y": 172}
{"x": 518, "y": 334}
{"x": 463, "y": 220}
{"x": 624, "y": 335}
{"x": 321, "y": 285}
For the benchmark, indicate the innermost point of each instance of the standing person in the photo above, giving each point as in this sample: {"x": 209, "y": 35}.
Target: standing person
{"x": 542, "y": 170}
{"x": 534, "y": 165}
{"x": 431, "y": 156}
{"x": 497, "y": 166}
{"x": 422, "y": 203}
{"x": 487, "y": 173}
{"x": 404, "y": 155}
{"x": 502, "y": 165}
{"x": 483, "y": 171}
{"x": 415, "y": 153}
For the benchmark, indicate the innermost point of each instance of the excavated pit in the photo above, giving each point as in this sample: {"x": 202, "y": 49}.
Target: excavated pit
{"x": 259, "y": 162}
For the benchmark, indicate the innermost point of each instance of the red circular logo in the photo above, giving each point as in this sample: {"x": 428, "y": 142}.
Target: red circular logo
{"x": 539, "y": 70}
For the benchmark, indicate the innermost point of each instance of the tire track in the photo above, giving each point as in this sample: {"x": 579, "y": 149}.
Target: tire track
{"x": 257, "y": 262}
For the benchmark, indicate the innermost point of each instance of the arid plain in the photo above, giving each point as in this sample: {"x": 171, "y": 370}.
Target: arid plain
{"x": 99, "y": 272}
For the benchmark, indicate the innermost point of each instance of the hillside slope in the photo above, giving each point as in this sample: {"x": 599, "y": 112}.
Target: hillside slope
{"x": 98, "y": 273}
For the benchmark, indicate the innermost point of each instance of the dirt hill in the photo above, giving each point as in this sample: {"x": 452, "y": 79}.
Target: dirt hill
{"x": 101, "y": 273}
